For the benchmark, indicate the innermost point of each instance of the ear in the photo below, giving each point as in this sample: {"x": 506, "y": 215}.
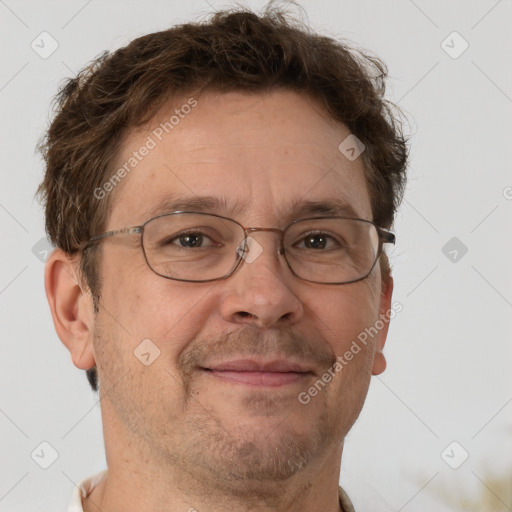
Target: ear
{"x": 71, "y": 306}
{"x": 379, "y": 361}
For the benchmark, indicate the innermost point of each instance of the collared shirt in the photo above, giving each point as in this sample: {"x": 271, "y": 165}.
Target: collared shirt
{"x": 86, "y": 486}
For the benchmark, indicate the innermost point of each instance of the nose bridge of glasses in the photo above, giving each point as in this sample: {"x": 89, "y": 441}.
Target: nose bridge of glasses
{"x": 277, "y": 231}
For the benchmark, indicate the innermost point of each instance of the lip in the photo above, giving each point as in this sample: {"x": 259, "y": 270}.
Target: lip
{"x": 259, "y": 373}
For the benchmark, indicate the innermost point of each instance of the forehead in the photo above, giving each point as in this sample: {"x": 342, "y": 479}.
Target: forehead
{"x": 257, "y": 157}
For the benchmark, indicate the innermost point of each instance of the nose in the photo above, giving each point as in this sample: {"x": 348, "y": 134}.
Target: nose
{"x": 262, "y": 291}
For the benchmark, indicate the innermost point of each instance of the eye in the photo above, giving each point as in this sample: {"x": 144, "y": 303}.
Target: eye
{"x": 319, "y": 240}
{"x": 189, "y": 240}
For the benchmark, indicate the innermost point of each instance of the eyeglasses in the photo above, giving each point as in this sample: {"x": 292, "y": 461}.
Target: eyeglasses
{"x": 202, "y": 247}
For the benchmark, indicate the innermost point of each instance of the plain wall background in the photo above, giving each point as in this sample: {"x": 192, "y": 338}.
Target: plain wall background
{"x": 449, "y": 351}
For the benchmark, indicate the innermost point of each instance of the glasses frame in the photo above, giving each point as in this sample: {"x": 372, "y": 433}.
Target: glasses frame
{"x": 385, "y": 236}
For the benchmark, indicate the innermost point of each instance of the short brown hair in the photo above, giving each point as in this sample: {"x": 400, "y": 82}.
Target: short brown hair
{"x": 235, "y": 50}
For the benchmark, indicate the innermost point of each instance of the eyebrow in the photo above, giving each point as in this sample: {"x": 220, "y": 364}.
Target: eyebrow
{"x": 221, "y": 206}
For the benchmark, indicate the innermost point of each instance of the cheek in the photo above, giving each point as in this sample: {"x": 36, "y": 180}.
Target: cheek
{"x": 342, "y": 315}
{"x": 143, "y": 304}
{"x": 144, "y": 324}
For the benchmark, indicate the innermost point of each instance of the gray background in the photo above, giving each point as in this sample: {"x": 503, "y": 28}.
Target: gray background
{"x": 449, "y": 350}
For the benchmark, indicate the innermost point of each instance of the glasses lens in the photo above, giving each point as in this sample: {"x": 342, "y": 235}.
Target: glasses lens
{"x": 331, "y": 250}
{"x": 203, "y": 247}
{"x": 192, "y": 246}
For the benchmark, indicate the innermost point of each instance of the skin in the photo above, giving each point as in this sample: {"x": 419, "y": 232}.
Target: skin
{"x": 178, "y": 435}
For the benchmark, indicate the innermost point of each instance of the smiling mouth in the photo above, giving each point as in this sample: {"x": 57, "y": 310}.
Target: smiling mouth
{"x": 254, "y": 373}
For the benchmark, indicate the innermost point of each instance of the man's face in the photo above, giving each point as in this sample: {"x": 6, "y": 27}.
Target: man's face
{"x": 263, "y": 156}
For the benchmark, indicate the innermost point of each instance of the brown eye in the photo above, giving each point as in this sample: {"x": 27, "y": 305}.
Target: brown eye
{"x": 318, "y": 241}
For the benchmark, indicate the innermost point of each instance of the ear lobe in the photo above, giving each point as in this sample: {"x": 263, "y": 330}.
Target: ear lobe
{"x": 379, "y": 360}
{"x": 71, "y": 307}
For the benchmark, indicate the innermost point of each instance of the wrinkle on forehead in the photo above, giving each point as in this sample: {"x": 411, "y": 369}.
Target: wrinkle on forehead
{"x": 272, "y": 150}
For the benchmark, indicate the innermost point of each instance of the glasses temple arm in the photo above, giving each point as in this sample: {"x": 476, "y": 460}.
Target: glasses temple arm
{"x": 124, "y": 231}
{"x": 386, "y": 236}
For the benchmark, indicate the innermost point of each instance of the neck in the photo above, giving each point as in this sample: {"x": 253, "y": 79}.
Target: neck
{"x": 132, "y": 492}
{"x": 138, "y": 479}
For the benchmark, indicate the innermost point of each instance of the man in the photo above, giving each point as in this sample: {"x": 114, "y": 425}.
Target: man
{"x": 220, "y": 195}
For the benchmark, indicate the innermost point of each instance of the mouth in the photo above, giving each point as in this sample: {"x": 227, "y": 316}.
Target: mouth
{"x": 257, "y": 373}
